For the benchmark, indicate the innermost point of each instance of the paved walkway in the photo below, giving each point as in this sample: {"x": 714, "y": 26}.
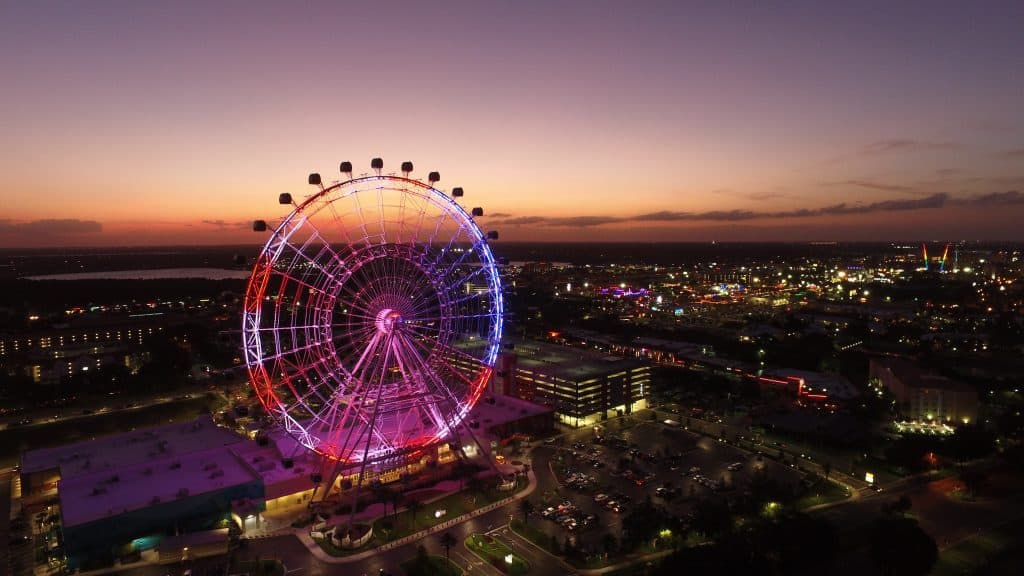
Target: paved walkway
{"x": 323, "y": 556}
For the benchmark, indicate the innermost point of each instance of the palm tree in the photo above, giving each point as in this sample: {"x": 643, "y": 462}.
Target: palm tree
{"x": 526, "y": 507}
{"x": 414, "y": 508}
{"x": 447, "y": 541}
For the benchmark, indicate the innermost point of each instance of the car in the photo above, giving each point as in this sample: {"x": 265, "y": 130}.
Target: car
{"x": 875, "y": 487}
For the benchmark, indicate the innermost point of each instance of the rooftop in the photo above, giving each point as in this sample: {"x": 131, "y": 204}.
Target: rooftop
{"x": 101, "y": 494}
{"x": 572, "y": 364}
{"x": 113, "y": 452}
{"x": 834, "y": 385}
{"x": 910, "y": 374}
{"x": 505, "y": 409}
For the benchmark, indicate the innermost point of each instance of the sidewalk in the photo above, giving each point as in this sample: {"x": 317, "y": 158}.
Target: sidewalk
{"x": 320, "y": 554}
{"x": 625, "y": 563}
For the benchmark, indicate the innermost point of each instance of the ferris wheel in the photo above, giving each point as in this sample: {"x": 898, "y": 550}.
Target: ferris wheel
{"x": 373, "y": 316}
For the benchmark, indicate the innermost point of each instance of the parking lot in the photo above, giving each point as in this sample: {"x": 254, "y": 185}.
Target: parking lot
{"x": 604, "y": 472}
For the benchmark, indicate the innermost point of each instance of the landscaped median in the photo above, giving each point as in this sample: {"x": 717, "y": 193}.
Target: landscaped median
{"x": 423, "y": 516}
{"x": 497, "y": 554}
{"x": 819, "y": 493}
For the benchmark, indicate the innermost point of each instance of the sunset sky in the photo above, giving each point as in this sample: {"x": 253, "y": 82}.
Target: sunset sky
{"x": 153, "y": 123}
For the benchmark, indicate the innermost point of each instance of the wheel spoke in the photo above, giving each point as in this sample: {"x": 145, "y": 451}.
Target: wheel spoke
{"x": 371, "y": 319}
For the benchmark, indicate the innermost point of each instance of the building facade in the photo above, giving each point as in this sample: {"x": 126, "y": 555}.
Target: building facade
{"x": 582, "y": 387}
{"x": 924, "y": 397}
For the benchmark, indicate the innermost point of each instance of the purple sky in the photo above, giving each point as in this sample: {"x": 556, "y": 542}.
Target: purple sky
{"x": 156, "y": 123}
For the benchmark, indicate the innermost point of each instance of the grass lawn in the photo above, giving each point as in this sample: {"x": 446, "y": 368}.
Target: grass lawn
{"x": 823, "y": 492}
{"x": 978, "y": 552}
{"x": 495, "y": 552}
{"x": 402, "y": 523}
{"x": 454, "y": 505}
{"x": 430, "y": 565}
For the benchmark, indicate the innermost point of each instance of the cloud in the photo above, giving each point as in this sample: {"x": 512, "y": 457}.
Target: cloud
{"x": 906, "y": 145}
{"x": 1015, "y": 153}
{"x": 568, "y": 222}
{"x": 499, "y": 215}
{"x": 669, "y": 216}
{"x": 930, "y": 202}
{"x": 1009, "y": 198}
{"x": 748, "y": 195}
{"x": 872, "y": 185}
{"x": 222, "y": 224}
{"x": 584, "y": 221}
{"x": 51, "y": 227}
{"x": 765, "y": 195}
{"x": 523, "y": 221}
{"x": 936, "y": 200}
{"x": 933, "y": 201}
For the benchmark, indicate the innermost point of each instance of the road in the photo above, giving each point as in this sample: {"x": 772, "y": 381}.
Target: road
{"x": 710, "y": 455}
{"x": 101, "y": 406}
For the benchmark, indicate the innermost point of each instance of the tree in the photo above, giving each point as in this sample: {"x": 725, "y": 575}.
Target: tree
{"x": 900, "y": 548}
{"x": 447, "y": 541}
{"x": 971, "y": 442}
{"x": 609, "y": 543}
{"x": 475, "y": 484}
{"x": 526, "y": 507}
{"x": 711, "y": 518}
{"x": 973, "y": 478}
{"x": 899, "y": 507}
{"x": 642, "y": 523}
{"x": 397, "y": 499}
{"x": 462, "y": 471}
{"x": 414, "y": 508}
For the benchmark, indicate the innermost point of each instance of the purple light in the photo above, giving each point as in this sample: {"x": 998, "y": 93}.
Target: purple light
{"x": 372, "y": 319}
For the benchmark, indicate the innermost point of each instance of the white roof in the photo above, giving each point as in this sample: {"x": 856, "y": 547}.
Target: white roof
{"x": 112, "y": 452}
{"x": 101, "y": 494}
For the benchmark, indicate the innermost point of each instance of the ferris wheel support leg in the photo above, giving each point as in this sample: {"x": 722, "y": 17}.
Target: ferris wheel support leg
{"x": 389, "y": 350}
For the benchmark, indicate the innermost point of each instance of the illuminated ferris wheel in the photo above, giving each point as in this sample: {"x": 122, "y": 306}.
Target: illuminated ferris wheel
{"x": 373, "y": 316}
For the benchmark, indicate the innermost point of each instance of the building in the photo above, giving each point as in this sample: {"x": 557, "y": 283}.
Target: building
{"x": 923, "y": 397}
{"x": 123, "y": 493}
{"x": 581, "y": 386}
{"x": 502, "y": 417}
{"x": 151, "y": 489}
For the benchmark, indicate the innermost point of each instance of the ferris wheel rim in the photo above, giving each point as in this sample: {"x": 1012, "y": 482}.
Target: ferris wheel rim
{"x": 263, "y": 270}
